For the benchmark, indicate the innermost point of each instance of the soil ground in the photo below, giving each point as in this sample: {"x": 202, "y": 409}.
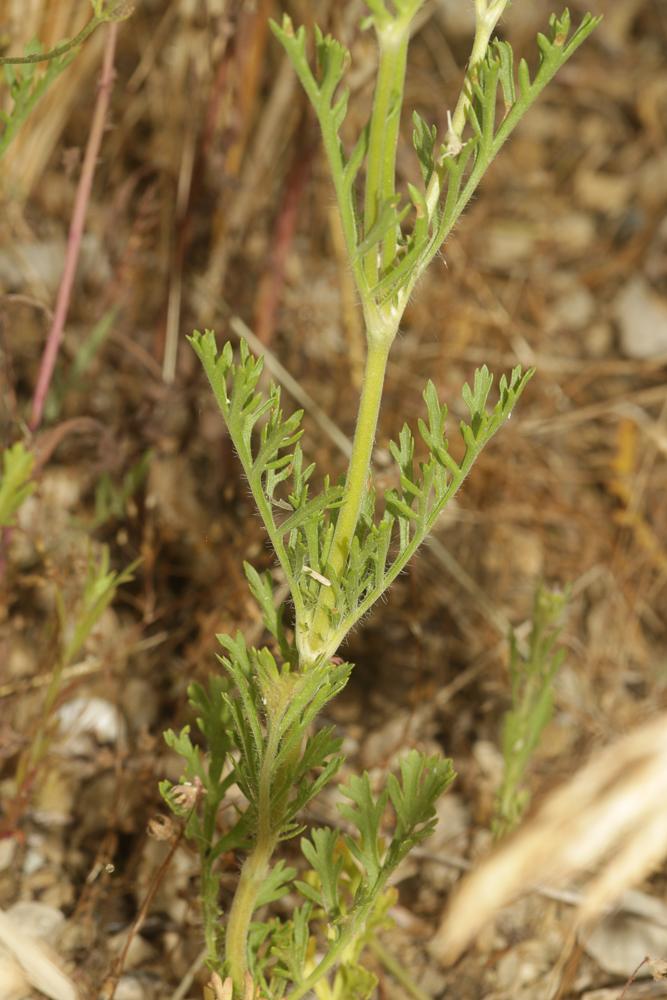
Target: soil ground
{"x": 211, "y": 207}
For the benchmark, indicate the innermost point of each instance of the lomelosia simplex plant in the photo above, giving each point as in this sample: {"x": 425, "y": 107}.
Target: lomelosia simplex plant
{"x": 340, "y": 549}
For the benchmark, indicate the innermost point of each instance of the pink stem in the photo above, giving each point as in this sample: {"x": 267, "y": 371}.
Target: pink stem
{"x": 55, "y": 336}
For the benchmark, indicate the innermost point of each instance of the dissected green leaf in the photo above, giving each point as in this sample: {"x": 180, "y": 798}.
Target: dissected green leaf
{"x": 323, "y": 854}
{"x": 27, "y": 85}
{"x": 289, "y": 946}
{"x": 267, "y": 445}
{"x": 365, "y": 814}
{"x": 423, "y": 780}
{"x": 276, "y": 884}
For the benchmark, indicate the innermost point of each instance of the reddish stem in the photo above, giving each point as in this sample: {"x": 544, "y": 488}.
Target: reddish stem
{"x": 55, "y": 336}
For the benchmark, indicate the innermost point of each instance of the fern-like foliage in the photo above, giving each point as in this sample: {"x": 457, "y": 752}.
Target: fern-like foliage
{"x": 349, "y": 872}
{"x": 268, "y": 447}
{"x": 255, "y": 720}
{"x": 533, "y": 672}
{"x": 451, "y": 170}
{"x": 412, "y": 797}
{"x": 345, "y": 887}
{"x": 265, "y": 712}
{"x": 267, "y": 444}
{"x": 329, "y": 101}
{"x": 382, "y": 548}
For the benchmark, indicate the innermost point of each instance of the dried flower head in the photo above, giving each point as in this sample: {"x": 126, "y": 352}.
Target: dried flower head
{"x": 161, "y": 827}
{"x": 187, "y": 795}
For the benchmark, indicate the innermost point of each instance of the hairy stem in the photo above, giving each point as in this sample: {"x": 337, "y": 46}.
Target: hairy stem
{"x": 356, "y": 484}
{"x": 253, "y": 873}
{"x": 383, "y": 138}
{"x": 487, "y": 16}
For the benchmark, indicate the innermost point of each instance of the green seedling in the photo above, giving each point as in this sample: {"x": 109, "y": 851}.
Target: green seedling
{"x": 533, "y": 671}
{"x": 111, "y": 498}
{"x": 75, "y": 625}
{"x": 339, "y": 549}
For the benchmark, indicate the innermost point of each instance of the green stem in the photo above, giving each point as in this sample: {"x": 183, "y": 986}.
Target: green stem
{"x": 210, "y": 887}
{"x": 314, "y": 642}
{"x": 119, "y": 12}
{"x": 60, "y": 50}
{"x": 356, "y": 483}
{"x": 336, "y": 952}
{"x": 487, "y": 16}
{"x": 253, "y": 873}
{"x": 383, "y": 138}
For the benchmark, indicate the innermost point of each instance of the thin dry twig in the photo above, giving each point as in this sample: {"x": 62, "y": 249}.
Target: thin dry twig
{"x": 109, "y": 989}
{"x": 55, "y": 336}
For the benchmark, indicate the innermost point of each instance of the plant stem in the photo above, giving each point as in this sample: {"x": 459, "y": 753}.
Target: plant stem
{"x": 337, "y": 950}
{"x": 315, "y": 640}
{"x": 487, "y": 16}
{"x": 383, "y": 138}
{"x": 60, "y": 50}
{"x": 253, "y": 873}
{"x": 210, "y": 887}
{"x": 356, "y": 483}
{"x": 55, "y": 336}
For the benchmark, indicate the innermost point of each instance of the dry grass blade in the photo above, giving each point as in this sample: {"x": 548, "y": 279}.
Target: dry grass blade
{"x": 39, "y": 967}
{"x": 612, "y": 817}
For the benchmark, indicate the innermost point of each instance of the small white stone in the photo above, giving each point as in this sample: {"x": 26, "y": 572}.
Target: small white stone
{"x": 129, "y": 988}
{"x": 574, "y": 308}
{"x": 7, "y": 852}
{"x": 37, "y": 919}
{"x": 642, "y": 318}
{"x": 86, "y": 716}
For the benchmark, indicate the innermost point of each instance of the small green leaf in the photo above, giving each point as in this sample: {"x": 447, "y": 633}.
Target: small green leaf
{"x": 16, "y": 485}
{"x": 99, "y": 592}
{"x": 276, "y": 884}
{"x": 323, "y": 854}
{"x": 423, "y": 140}
{"x": 388, "y": 218}
{"x": 423, "y": 780}
{"x": 354, "y": 982}
{"x": 365, "y": 814}
{"x": 289, "y": 946}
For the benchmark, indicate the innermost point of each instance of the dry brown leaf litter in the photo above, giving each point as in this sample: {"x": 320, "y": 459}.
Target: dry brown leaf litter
{"x": 561, "y": 262}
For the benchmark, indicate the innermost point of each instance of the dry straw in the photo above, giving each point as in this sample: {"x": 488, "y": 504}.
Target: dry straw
{"x": 606, "y": 827}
